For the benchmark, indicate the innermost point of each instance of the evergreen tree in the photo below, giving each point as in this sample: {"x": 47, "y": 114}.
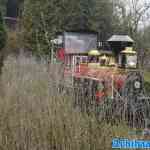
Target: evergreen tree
{"x": 2, "y": 33}
{"x": 2, "y": 41}
{"x": 103, "y": 20}
{"x": 43, "y": 18}
{"x": 3, "y": 6}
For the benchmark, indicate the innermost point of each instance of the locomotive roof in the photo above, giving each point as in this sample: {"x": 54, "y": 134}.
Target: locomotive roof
{"x": 120, "y": 38}
{"x": 79, "y": 42}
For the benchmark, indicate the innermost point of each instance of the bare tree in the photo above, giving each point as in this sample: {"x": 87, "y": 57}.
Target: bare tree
{"x": 138, "y": 10}
{"x": 133, "y": 13}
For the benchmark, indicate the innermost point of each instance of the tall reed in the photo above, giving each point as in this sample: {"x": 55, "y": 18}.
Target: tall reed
{"x": 34, "y": 115}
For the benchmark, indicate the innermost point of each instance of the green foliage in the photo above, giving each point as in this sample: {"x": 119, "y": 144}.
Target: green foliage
{"x": 104, "y": 18}
{"x": 42, "y": 19}
{"x": 39, "y": 25}
{"x": 147, "y": 82}
{"x": 3, "y": 6}
{"x": 147, "y": 87}
{"x": 144, "y": 37}
{"x": 2, "y": 33}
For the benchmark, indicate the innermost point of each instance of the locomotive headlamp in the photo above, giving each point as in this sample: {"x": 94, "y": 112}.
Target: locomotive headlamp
{"x": 137, "y": 84}
{"x": 131, "y": 61}
{"x": 132, "y": 64}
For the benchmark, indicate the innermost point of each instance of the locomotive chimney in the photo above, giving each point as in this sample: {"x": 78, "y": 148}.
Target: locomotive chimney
{"x": 118, "y": 43}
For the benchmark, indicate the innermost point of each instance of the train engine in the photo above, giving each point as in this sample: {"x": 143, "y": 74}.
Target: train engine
{"x": 100, "y": 73}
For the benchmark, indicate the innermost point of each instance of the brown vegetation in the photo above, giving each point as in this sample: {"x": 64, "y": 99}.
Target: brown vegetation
{"x": 34, "y": 116}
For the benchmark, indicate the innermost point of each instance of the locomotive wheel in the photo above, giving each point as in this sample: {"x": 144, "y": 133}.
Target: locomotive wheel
{"x": 84, "y": 91}
{"x": 79, "y": 93}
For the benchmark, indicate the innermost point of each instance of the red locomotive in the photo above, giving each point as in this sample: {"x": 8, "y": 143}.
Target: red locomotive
{"x": 109, "y": 71}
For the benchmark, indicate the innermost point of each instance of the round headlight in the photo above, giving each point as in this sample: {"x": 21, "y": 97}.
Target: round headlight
{"x": 137, "y": 85}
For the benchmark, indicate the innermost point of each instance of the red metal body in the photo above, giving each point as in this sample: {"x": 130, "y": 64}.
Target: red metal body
{"x": 110, "y": 77}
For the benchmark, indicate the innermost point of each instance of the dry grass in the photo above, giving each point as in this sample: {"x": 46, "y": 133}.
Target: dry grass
{"x": 34, "y": 116}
